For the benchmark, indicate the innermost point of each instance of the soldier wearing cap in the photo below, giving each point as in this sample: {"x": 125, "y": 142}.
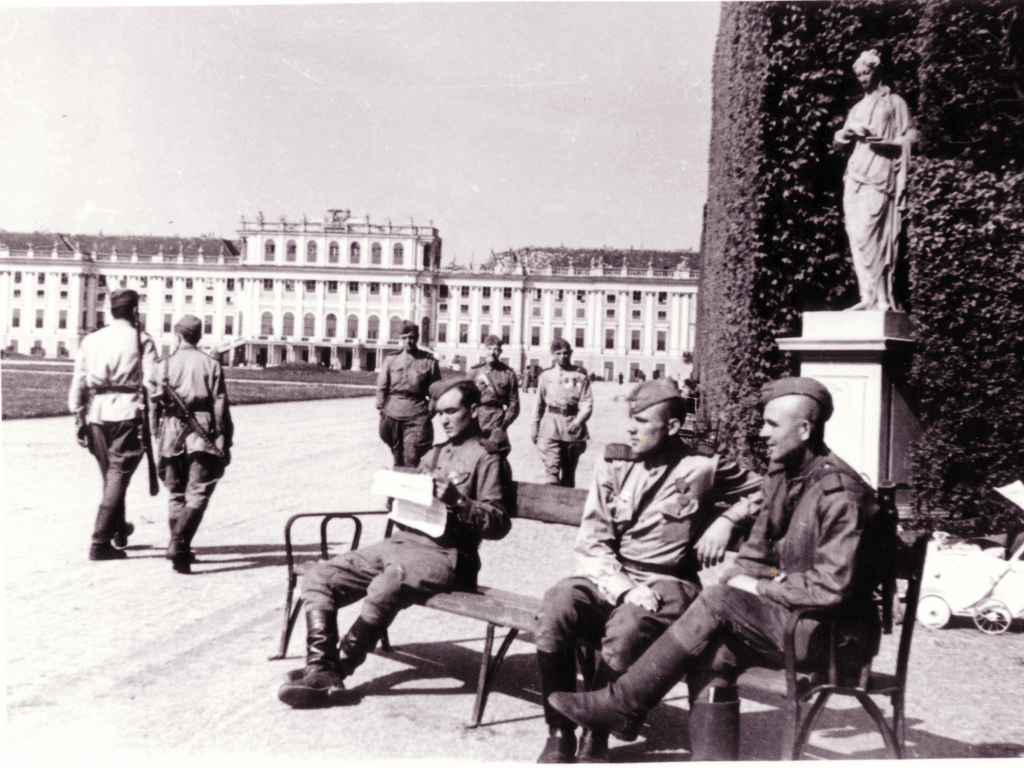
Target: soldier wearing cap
{"x": 112, "y": 366}
{"x": 652, "y": 517}
{"x": 499, "y": 390}
{"x": 564, "y": 403}
{"x": 474, "y": 481}
{"x": 402, "y": 391}
{"x": 813, "y": 545}
{"x": 188, "y": 463}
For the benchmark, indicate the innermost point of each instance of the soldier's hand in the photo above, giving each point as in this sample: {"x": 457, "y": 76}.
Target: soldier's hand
{"x": 713, "y": 544}
{"x": 643, "y": 597}
{"x": 447, "y": 493}
{"x": 81, "y": 431}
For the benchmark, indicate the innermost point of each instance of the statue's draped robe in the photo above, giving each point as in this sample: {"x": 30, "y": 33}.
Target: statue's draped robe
{"x": 874, "y": 195}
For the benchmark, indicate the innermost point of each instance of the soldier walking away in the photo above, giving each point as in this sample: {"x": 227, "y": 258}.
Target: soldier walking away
{"x": 499, "y": 391}
{"x": 656, "y": 512}
{"x": 814, "y": 544}
{"x": 113, "y": 377}
{"x": 475, "y": 483}
{"x": 403, "y": 385}
{"x": 194, "y": 428}
{"x": 564, "y": 403}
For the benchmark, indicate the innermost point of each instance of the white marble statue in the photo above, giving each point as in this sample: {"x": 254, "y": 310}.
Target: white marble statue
{"x": 874, "y": 197}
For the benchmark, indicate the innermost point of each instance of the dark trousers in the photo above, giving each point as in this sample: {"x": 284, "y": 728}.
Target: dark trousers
{"x": 118, "y": 450}
{"x": 574, "y": 609}
{"x": 560, "y": 460}
{"x": 190, "y": 478}
{"x": 391, "y": 575}
{"x": 408, "y": 439}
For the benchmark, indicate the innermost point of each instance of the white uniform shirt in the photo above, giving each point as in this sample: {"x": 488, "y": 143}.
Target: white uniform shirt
{"x": 110, "y": 357}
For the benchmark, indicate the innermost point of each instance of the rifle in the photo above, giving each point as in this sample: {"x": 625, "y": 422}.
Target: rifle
{"x": 147, "y": 439}
{"x": 177, "y": 407}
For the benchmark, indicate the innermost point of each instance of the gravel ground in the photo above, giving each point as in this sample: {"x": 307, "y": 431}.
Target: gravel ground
{"x": 130, "y": 661}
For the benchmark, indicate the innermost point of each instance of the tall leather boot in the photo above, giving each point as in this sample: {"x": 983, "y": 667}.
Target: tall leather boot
{"x": 622, "y": 707}
{"x": 715, "y": 724}
{"x": 320, "y": 678}
{"x": 594, "y": 743}
{"x": 360, "y": 639}
{"x": 557, "y": 673}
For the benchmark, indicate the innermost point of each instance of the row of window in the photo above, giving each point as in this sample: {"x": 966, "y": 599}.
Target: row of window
{"x": 41, "y": 278}
{"x": 62, "y": 318}
{"x": 101, "y": 281}
{"x": 334, "y": 253}
{"x": 331, "y": 326}
{"x": 559, "y": 295}
{"x": 660, "y": 342}
{"x": 332, "y": 287}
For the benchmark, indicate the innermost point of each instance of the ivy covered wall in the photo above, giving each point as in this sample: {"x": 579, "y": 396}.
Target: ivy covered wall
{"x": 774, "y": 244}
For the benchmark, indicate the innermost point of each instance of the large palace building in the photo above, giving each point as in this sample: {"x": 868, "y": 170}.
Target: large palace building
{"x": 336, "y": 291}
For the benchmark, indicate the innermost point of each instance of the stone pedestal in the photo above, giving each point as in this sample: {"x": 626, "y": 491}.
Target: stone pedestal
{"x": 863, "y": 358}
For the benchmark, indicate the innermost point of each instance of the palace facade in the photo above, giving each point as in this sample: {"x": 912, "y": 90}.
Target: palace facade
{"x": 335, "y": 292}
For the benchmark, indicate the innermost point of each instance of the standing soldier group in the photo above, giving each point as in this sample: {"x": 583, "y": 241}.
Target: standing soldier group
{"x": 116, "y": 378}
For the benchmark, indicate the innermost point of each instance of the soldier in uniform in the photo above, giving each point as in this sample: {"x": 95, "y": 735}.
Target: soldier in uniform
{"x": 812, "y": 545}
{"x": 564, "y": 403}
{"x": 499, "y": 390}
{"x": 653, "y": 516}
{"x": 189, "y": 464}
{"x": 112, "y": 366}
{"x": 475, "y": 483}
{"x": 402, "y": 390}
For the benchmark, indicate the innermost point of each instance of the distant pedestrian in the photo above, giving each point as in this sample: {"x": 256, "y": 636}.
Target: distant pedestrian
{"x": 113, "y": 368}
{"x": 194, "y": 436}
{"x": 620, "y": 378}
{"x": 564, "y": 404}
{"x": 403, "y": 386}
{"x": 499, "y": 391}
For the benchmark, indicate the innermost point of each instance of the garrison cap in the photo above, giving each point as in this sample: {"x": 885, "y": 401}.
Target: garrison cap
{"x": 494, "y": 341}
{"x": 560, "y": 343}
{"x": 123, "y": 297}
{"x": 648, "y": 393}
{"x": 190, "y": 327}
{"x": 799, "y": 385}
{"x": 408, "y": 326}
{"x": 438, "y": 388}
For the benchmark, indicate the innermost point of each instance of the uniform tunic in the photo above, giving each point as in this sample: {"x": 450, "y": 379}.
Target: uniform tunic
{"x": 812, "y": 545}
{"x": 639, "y": 525}
{"x": 402, "y": 398}
{"x": 499, "y": 390}
{"x": 411, "y": 566}
{"x": 107, "y": 382}
{"x": 563, "y": 399}
{"x": 189, "y": 467}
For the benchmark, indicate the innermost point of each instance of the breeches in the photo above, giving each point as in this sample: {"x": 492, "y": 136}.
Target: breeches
{"x": 560, "y": 460}
{"x": 190, "y": 478}
{"x": 118, "y": 451}
{"x": 409, "y": 439}
{"x": 574, "y": 609}
{"x": 392, "y": 575}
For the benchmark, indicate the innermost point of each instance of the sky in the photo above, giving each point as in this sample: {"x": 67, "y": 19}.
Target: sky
{"x": 505, "y": 124}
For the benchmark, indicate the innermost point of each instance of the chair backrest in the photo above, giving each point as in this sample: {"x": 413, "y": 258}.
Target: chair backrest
{"x": 550, "y": 503}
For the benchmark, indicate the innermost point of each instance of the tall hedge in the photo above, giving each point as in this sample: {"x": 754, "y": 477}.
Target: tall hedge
{"x": 774, "y": 244}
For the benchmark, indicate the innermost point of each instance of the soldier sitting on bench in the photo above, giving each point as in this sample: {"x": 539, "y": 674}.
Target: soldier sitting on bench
{"x": 474, "y": 481}
{"x": 649, "y": 518}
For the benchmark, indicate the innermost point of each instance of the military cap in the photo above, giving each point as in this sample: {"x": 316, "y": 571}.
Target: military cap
{"x": 648, "y": 393}
{"x": 438, "y": 388}
{"x": 123, "y": 297}
{"x": 799, "y": 385}
{"x": 408, "y": 326}
{"x": 560, "y": 343}
{"x": 494, "y": 341}
{"x": 190, "y": 327}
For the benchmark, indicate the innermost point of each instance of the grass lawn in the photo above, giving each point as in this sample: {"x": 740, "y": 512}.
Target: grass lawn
{"x": 31, "y": 391}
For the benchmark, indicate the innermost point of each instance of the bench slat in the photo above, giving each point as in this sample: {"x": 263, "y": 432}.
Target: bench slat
{"x": 495, "y": 606}
{"x": 550, "y": 503}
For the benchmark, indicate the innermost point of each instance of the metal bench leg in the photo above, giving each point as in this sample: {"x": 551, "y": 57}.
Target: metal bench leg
{"x": 489, "y": 671}
{"x": 883, "y": 727}
{"x": 385, "y": 642}
{"x": 804, "y": 732}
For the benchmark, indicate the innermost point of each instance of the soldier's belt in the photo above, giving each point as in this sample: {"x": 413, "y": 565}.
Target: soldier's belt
{"x": 107, "y": 389}
{"x": 569, "y": 410}
{"x": 677, "y": 569}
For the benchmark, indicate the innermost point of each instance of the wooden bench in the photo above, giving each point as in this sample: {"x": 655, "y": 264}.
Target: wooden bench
{"x": 496, "y": 607}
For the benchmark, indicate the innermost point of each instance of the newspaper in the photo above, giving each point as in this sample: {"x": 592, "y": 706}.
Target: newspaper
{"x": 1014, "y": 492}
{"x": 414, "y": 504}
